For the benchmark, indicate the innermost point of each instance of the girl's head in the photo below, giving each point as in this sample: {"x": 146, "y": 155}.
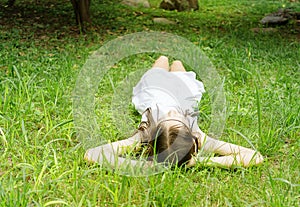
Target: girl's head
{"x": 170, "y": 140}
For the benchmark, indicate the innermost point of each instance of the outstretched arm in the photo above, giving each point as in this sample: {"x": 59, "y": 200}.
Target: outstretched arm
{"x": 110, "y": 153}
{"x": 233, "y": 155}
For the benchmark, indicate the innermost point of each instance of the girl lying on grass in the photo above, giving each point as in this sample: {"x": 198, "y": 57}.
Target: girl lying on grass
{"x": 167, "y": 98}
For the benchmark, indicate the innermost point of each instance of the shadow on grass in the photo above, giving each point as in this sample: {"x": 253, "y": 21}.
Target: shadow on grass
{"x": 39, "y": 18}
{"x": 29, "y": 18}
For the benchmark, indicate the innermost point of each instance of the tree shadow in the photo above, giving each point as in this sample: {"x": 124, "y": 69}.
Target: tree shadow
{"x": 39, "y": 18}
{"x": 32, "y": 18}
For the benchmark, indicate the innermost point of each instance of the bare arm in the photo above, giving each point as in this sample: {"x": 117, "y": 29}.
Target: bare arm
{"x": 233, "y": 155}
{"x": 109, "y": 153}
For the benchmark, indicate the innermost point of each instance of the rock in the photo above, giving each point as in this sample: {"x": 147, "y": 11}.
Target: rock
{"x": 161, "y": 20}
{"x": 179, "y": 5}
{"x": 282, "y": 16}
{"x": 136, "y": 3}
{"x": 274, "y": 20}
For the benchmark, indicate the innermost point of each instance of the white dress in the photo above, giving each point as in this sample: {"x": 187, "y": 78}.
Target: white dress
{"x": 163, "y": 91}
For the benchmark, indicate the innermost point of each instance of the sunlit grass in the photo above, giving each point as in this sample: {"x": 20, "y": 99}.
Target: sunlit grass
{"x": 42, "y": 159}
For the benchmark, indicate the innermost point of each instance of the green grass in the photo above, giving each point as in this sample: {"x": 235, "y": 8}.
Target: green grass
{"x": 42, "y": 158}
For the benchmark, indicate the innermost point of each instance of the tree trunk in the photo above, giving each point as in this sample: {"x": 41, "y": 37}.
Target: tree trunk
{"x": 194, "y": 4}
{"x": 82, "y": 12}
{"x": 10, "y": 3}
{"x": 179, "y": 5}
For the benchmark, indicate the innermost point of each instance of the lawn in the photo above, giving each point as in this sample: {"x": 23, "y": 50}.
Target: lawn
{"x": 41, "y": 56}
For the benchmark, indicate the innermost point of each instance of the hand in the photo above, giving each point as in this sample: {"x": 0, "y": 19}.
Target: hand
{"x": 250, "y": 157}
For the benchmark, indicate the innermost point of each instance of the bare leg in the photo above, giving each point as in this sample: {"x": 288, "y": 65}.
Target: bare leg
{"x": 162, "y": 62}
{"x": 177, "y": 66}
